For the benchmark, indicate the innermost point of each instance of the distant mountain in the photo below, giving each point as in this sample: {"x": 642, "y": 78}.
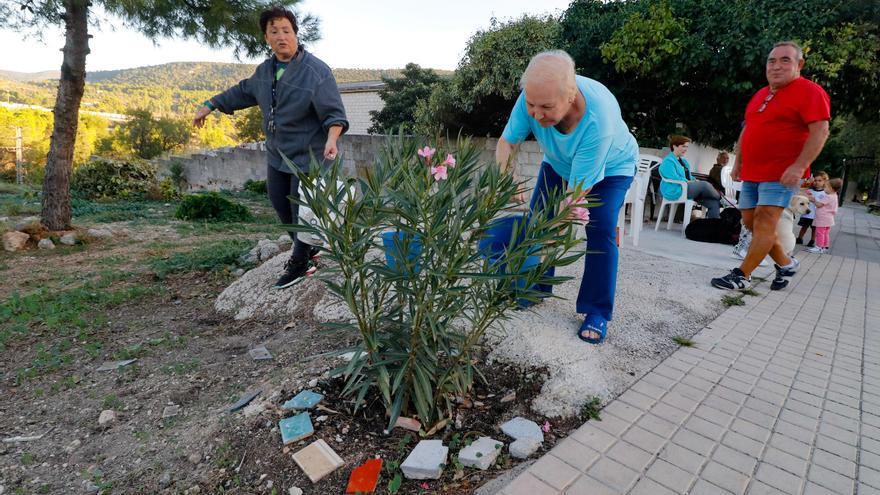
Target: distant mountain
{"x": 192, "y": 76}
{"x": 29, "y": 76}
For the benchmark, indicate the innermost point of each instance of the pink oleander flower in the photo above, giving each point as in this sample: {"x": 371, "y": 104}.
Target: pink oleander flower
{"x": 450, "y": 160}
{"x": 546, "y": 427}
{"x": 424, "y": 485}
{"x": 439, "y": 172}
{"x": 578, "y": 213}
{"x": 426, "y": 152}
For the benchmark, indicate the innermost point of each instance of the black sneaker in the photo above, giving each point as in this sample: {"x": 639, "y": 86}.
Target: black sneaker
{"x": 789, "y": 271}
{"x": 799, "y": 240}
{"x": 735, "y": 280}
{"x": 778, "y": 283}
{"x": 294, "y": 271}
{"x": 811, "y": 243}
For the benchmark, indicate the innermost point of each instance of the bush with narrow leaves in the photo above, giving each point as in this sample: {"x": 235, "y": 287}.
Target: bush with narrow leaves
{"x": 211, "y": 207}
{"x": 108, "y": 179}
{"x": 422, "y": 323}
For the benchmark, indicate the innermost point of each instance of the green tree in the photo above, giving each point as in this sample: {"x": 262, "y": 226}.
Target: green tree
{"x": 148, "y": 137}
{"x": 401, "y": 96}
{"x": 691, "y": 65}
{"x": 249, "y": 125}
{"x": 478, "y": 98}
{"x": 217, "y": 23}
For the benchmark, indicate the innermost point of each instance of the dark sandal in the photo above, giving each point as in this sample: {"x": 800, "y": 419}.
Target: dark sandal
{"x": 595, "y": 324}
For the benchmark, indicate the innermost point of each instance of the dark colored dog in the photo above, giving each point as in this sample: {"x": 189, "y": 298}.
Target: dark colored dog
{"x": 724, "y": 230}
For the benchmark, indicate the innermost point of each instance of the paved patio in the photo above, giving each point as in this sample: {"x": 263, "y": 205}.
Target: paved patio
{"x": 781, "y": 395}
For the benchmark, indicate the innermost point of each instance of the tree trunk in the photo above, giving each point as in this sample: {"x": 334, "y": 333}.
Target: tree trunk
{"x": 56, "y": 212}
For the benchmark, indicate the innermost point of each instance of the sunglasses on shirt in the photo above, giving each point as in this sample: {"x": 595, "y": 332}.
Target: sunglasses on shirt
{"x": 766, "y": 101}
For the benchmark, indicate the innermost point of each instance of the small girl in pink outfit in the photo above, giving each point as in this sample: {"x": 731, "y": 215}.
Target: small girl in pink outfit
{"x": 826, "y": 209}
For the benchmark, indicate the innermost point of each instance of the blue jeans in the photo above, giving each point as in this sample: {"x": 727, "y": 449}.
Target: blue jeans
{"x": 764, "y": 194}
{"x": 599, "y": 282}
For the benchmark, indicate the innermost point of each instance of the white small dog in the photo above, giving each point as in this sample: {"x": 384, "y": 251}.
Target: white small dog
{"x": 785, "y": 228}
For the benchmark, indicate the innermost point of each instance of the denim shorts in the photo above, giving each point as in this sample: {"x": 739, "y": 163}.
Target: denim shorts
{"x": 765, "y": 194}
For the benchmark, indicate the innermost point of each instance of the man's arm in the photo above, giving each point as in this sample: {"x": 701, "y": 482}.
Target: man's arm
{"x": 812, "y": 148}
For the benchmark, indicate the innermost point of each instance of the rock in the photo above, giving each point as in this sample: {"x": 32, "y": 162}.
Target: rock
{"x": 106, "y": 417}
{"x": 268, "y": 249}
{"x": 73, "y": 446}
{"x": 165, "y": 479}
{"x": 524, "y": 447}
{"x": 284, "y": 242}
{"x": 252, "y": 296}
{"x": 294, "y": 491}
{"x": 26, "y": 222}
{"x": 252, "y": 257}
{"x": 194, "y": 458}
{"x": 522, "y": 428}
{"x": 170, "y": 411}
{"x": 253, "y": 409}
{"x": 13, "y": 241}
{"x": 4, "y": 219}
{"x": 68, "y": 239}
{"x": 238, "y": 272}
{"x": 89, "y": 487}
{"x": 510, "y": 397}
{"x": 426, "y": 461}
{"x": 99, "y": 233}
{"x": 332, "y": 309}
{"x": 313, "y": 383}
{"x": 481, "y": 454}
{"x": 45, "y": 244}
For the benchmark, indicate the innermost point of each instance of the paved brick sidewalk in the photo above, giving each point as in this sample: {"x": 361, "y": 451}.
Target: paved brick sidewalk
{"x": 781, "y": 395}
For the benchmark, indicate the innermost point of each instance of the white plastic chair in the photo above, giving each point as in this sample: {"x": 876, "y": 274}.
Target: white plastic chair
{"x": 635, "y": 196}
{"x": 673, "y": 206}
{"x": 730, "y": 186}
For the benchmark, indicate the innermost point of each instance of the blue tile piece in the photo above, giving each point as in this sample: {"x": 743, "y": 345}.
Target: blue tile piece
{"x": 303, "y": 400}
{"x": 296, "y": 428}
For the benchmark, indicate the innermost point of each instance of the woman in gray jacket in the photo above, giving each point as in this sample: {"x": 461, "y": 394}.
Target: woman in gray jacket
{"x": 303, "y": 117}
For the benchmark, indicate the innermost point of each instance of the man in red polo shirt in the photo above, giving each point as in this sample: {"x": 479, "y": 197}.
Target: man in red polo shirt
{"x": 786, "y": 125}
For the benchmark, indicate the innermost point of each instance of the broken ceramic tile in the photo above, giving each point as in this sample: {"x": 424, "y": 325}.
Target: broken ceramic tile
{"x": 170, "y": 411}
{"x": 318, "y": 460}
{"x": 112, "y": 365}
{"x": 244, "y": 400}
{"x": 481, "y": 454}
{"x": 411, "y": 424}
{"x": 303, "y": 400}
{"x": 426, "y": 461}
{"x": 365, "y": 477}
{"x": 295, "y": 428}
{"x": 260, "y": 353}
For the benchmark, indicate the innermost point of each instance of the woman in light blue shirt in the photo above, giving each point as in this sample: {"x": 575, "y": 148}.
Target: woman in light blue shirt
{"x": 578, "y": 124}
{"x": 676, "y": 167}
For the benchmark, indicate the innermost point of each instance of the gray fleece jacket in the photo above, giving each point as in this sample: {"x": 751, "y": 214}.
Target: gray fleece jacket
{"x": 308, "y": 103}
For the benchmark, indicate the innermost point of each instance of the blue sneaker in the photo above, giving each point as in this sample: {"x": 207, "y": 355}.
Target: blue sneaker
{"x": 595, "y": 324}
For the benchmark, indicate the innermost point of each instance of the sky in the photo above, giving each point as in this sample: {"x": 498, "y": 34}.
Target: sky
{"x": 355, "y": 34}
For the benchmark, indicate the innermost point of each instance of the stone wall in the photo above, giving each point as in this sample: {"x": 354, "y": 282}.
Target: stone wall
{"x": 229, "y": 168}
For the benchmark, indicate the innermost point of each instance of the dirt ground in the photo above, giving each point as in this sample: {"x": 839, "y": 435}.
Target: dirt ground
{"x": 102, "y": 302}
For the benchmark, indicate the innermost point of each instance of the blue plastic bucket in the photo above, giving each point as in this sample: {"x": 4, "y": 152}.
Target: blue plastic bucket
{"x": 495, "y": 242}
{"x": 393, "y": 242}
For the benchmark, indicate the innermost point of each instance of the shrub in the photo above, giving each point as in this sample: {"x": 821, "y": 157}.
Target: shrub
{"x": 215, "y": 256}
{"x": 168, "y": 191}
{"x": 211, "y": 207}
{"x": 107, "y": 179}
{"x": 421, "y": 323}
{"x": 255, "y": 186}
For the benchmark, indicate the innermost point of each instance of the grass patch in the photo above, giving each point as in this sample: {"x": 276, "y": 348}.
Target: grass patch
{"x": 118, "y": 211}
{"x": 111, "y": 401}
{"x": 751, "y": 292}
{"x": 590, "y": 409}
{"x": 733, "y": 300}
{"x": 181, "y": 367}
{"x": 683, "y": 341}
{"x": 214, "y": 256}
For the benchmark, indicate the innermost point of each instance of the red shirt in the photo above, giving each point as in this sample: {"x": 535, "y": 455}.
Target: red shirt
{"x": 774, "y": 138}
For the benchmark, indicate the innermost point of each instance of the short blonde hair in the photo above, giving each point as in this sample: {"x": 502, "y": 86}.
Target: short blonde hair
{"x": 551, "y": 66}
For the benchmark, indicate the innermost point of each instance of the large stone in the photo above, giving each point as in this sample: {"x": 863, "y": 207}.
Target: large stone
{"x": 13, "y": 241}
{"x": 106, "y": 417}
{"x": 252, "y": 294}
{"x": 524, "y": 447}
{"x": 481, "y": 454}
{"x": 68, "y": 239}
{"x": 519, "y": 428}
{"x": 46, "y": 244}
{"x": 426, "y": 461}
{"x": 99, "y": 233}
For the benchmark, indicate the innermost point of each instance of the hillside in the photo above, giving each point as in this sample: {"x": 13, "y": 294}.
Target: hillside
{"x": 29, "y": 76}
